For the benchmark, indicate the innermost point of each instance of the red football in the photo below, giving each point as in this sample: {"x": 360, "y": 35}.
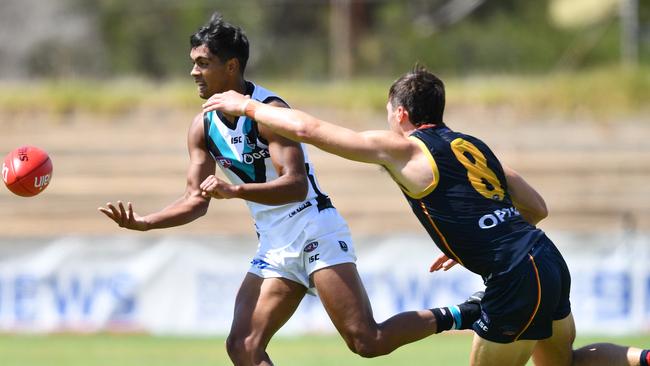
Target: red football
{"x": 27, "y": 171}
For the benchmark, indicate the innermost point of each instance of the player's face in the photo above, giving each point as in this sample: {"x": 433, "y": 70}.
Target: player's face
{"x": 208, "y": 72}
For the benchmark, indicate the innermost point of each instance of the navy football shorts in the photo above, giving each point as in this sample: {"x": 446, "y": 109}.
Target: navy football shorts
{"x": 524, "y": 302}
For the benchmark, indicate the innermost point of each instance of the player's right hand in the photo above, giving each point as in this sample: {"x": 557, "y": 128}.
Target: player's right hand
{"x": 125, "y": 218}
{"x": 230, "y": 102}
{"x": 217, "y": 188}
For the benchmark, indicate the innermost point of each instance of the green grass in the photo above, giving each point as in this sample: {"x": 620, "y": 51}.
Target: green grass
{"x": 94, "y": 96}
{"x": 138, "y": 350}
{"x": 607, "y": 92}
{"x": 602, "y": 92}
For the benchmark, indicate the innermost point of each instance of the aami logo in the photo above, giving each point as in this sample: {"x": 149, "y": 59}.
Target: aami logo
{"x": 311, "y": 246}
{"x": 224, "y": 162}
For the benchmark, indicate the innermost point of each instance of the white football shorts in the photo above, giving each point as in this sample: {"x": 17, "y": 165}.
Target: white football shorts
{"x": 295, "y": 250}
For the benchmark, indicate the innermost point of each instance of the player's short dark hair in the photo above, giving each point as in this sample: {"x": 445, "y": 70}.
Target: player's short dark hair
{"x": 422, "y": 94}
{"x": 224, "y": 40}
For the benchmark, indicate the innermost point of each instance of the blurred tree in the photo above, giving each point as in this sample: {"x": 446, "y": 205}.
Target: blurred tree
{"x": 46, "y": 39}
{"x": 290, "y": 38}
{"x": 144, "y": 37}
{"x": 306, "y": 39}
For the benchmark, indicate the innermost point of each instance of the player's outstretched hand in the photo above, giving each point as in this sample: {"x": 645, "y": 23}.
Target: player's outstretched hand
{"x": 442, "y": 262}
{"x": 230, "y": 102}
{"x": 125, "y": 218}
{"x": 217, "y": 188}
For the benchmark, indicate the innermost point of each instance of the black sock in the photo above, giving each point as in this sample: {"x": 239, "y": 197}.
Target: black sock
{"x": 645, "y": 358}
{"x": 470, "y": 312}
{"x": 444, "y": 319}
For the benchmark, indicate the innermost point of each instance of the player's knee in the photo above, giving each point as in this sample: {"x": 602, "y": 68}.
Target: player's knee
{"x": 234, "y": 346}
{"x": 367, "y": 350}
{"x": 365, "y": 344}
{"x": 241, "y": 346}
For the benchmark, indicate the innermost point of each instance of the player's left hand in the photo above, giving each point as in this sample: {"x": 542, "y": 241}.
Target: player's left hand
{"x": 230, "y": 102}
{"x": 217, "y": 188}
{"x": 124, "y": 217}
{"x": 442, "y": 262}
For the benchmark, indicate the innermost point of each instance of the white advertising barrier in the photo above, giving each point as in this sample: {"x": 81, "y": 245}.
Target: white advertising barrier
{"x": 187, "y": 286}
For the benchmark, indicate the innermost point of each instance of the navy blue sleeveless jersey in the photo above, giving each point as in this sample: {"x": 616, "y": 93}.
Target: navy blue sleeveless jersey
{"x": 467, "y": 210}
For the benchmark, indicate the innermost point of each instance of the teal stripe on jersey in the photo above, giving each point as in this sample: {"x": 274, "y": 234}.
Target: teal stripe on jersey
{"x": 226, "y": 151}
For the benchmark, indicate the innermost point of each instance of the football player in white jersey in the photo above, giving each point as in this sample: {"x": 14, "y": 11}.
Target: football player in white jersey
{"x": 304, "y": 244}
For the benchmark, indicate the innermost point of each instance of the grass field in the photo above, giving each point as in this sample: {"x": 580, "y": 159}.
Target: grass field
{"x": 564, "y": 94}
{"x": 138, "y": 350}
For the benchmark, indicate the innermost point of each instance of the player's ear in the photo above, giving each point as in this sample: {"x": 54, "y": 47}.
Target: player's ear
{"x": 232, "y": 66}
{"x": 402, "y": 114}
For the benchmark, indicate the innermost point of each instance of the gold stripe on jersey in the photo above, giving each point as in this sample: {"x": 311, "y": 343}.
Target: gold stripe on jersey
{"x": 539, "y": 297}
{"x": 434, "y": 170}
{"x": 442, "y": 237}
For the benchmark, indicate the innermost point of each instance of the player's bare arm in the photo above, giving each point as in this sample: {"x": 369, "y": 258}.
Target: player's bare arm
{"x": 527, "y": 200}
{"x": 401, "y": 156}
{"x": 288, "y": 161}
{"x": 190, "y": 206}
{"x": 300, "y": 126}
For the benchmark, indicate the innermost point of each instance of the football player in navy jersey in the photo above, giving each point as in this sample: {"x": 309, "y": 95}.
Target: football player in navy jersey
{"x": 304, "y": 244}
{"x": 480, "y": 213}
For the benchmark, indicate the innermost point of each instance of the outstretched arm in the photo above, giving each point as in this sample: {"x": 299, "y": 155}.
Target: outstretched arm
{"x": 527, "y": 200}
{"x": 289, "y": 163}
{"x": 379, "y": 147}
{"x": 185, "y": 209}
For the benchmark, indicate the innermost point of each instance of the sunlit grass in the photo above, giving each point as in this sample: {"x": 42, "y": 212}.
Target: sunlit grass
{"x": 311, "y": 350}
{"x": 602, "y": 92}
{"x": 95, "y": 96}
{"x": 607, "y": 92}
